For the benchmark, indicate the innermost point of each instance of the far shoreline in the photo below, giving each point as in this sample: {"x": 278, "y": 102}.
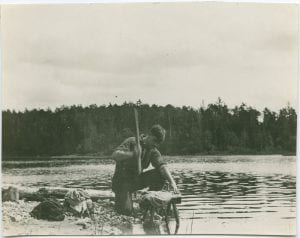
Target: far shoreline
{"x": 106, "y": 157}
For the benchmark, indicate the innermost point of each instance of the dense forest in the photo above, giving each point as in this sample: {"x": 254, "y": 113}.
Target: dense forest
{"x": 214, "y": 129}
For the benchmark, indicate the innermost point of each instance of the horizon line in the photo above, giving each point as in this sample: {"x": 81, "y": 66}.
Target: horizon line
{"x": 201, "y": 105}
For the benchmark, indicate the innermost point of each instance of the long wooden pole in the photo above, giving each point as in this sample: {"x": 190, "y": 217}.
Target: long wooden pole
{"x": 137, "y": 138}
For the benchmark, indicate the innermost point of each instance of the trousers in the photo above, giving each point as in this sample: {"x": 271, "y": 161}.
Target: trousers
{"x": 123, "y": 189}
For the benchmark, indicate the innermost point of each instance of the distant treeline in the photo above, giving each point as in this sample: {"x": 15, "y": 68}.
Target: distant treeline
{"x": 215, "y": 129}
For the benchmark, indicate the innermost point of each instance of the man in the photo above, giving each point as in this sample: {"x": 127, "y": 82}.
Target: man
{"x": 125, "y": 180}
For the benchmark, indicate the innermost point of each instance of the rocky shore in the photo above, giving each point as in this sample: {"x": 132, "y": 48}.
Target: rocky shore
{"x": 17, "y": 221}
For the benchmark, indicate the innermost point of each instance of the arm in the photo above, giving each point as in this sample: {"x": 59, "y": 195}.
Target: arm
{"x": 120, "y": 155}
{"x": 127, "y": 150}
{"x": 160, "y": 165}
{"x": 167, "y": 175}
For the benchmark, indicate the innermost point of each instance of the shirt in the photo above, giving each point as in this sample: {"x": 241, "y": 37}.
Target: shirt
{"x": 128, "y": 168}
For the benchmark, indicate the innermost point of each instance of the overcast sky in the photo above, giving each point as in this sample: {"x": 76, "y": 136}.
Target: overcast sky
{"x": 170, "y": 53}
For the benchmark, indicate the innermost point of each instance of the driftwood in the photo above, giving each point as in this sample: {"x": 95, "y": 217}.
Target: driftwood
{"x": 37, "y": 194}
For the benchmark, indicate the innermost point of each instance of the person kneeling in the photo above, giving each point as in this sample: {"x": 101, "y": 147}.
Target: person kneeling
{"x": 125, "y": 179}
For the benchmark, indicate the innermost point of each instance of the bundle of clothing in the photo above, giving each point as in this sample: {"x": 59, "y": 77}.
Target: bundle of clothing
{"x": 50, "y": 209}
{"x": 77, "y": 201}
{"x": 155, "y": 199}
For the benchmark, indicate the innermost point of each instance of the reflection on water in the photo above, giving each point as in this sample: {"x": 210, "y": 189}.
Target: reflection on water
{"x": 236, "y": 196}
{"x": 216, "y": 190}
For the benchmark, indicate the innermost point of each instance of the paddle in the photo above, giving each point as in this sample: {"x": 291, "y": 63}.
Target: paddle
{"x": 137, "y": 138}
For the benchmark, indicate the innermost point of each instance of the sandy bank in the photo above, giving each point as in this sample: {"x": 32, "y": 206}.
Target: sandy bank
{"x": 17, "y": 221}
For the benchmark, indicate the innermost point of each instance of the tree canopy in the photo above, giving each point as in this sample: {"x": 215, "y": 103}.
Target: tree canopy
{"x": 214, "y": 129}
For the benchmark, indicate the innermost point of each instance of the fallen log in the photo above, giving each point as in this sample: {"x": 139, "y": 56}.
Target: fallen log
{"x": 36, "y": 194}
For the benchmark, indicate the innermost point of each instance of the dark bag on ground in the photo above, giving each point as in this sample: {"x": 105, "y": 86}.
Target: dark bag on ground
{"x": 50, "y": 209}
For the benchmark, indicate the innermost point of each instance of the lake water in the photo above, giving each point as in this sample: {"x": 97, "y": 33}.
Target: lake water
{"x": 221, "y": 194}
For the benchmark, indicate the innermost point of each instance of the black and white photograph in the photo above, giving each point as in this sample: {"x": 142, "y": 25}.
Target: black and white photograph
{"x": 149, "y": 118}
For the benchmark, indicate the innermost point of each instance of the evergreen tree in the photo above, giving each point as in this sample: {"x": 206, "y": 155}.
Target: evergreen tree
{"x": 99, "y": 129}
